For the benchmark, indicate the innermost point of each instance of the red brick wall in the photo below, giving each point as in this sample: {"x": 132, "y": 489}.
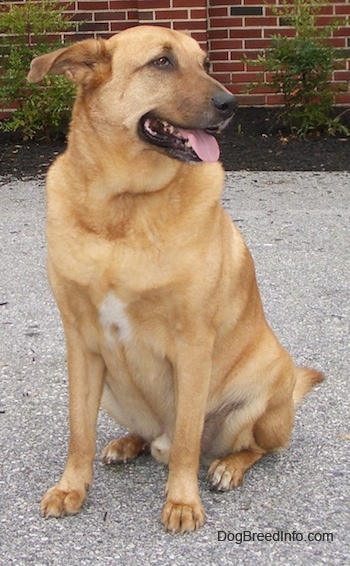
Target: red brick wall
{"x": 229, "y": 29}
{"x": 241, "y": 28}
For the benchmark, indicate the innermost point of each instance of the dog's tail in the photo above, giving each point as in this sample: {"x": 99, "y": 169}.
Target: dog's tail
{"x": 305, "y": 379}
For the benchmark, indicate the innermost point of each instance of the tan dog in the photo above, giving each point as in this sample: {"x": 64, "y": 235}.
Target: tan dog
{"x": 155, "y": 285}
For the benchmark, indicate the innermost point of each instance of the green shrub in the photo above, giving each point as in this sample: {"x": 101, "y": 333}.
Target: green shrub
{"x": 301, "y": 67}
{"x": 42, "y": 111}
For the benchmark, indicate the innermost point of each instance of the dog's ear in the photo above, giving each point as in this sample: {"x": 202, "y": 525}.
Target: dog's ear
{"x": 86, "y": 63}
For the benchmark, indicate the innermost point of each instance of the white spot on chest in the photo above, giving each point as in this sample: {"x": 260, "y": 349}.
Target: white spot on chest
{"x": 114, "y": 320}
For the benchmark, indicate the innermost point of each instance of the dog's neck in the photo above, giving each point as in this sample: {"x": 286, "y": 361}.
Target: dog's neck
{"x": 109, "y": 206}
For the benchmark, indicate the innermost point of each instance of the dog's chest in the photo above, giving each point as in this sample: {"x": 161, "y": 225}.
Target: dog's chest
{"x": 138, "y": 374}
{"x": 114, "y": 320}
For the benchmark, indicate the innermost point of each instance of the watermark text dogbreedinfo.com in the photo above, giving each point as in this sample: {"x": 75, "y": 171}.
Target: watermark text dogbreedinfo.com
{"x": 277, "y": 536}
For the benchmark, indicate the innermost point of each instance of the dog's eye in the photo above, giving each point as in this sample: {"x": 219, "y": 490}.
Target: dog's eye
{"x": 161, "y": 62}
{"x": 207, "y": 66}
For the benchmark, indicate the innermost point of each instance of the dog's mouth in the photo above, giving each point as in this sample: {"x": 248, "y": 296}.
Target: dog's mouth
{"x": 184, "y": 144}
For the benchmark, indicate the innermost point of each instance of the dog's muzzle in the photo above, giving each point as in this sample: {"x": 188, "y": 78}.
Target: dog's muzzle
{"x": 190, "y": 143}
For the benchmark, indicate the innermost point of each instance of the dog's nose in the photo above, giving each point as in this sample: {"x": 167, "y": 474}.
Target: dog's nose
{"x": 225, "y": 103}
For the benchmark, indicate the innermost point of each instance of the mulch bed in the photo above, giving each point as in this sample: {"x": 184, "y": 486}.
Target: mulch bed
{"x": 249, "y": 143}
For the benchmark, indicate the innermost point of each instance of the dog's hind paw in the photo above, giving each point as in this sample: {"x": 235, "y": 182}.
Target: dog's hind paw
{"x": 224, "y": 477}
{"x": 124, "y": 449}
{"x": 228, "y": 472}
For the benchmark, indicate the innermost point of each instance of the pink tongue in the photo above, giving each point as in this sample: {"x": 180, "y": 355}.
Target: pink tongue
{"x": 205, "y": 146}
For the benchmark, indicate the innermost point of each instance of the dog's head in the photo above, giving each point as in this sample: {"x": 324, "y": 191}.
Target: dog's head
{"x": 149, "y": 83}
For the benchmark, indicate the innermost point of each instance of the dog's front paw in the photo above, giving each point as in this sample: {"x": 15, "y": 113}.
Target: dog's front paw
{"x": 58, "y": 503}
{"x": 182, "y": 517}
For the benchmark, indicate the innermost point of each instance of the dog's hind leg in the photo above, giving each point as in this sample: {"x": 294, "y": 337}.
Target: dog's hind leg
{"x": 123, "y": 449}
{"x": 270, "y": 432}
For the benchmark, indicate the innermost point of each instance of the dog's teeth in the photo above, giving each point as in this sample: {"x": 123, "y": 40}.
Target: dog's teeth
{"x": 187, "y": 144}
{"x": 149, "y": 128}
{"x": 171, "y": 129}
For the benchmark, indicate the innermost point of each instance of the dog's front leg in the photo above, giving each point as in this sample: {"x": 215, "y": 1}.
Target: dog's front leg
{"x": 183, "y": 510}
{"x": 86, "y": 374}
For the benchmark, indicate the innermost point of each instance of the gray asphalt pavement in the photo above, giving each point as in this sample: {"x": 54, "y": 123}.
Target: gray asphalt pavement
{"x": 293, "y": 508}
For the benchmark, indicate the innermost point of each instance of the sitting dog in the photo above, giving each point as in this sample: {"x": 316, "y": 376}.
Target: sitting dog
{"x": 156, "y": 288}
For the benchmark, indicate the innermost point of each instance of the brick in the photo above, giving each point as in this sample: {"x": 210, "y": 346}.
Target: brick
{"x": 250, "y": 100}
{"x": 238, "y": 89}
{"x": 95, "y": 26}
{"x": 218, "y": 33}
{"x": 189, "y": 4}
{"x": 342, "y": 75}
{"x": 171, "y": 14}
{"x": 222, "y": 2}
{"x": 226, "y": 44}
{"x": 274, "y": 99}
{"x": 257, "y": 43}
{"x": 342, "y": 32}
{"x": 92, "y": 6}
{"x": 198, "y": 14}
{"x": 261, "y": 89}
{"x": 219, "y": 55}
{"x": 329, "y": 9}
{"x": 162, "y": 24}
{"x": 342, "y": 10}
{"x": 249, "y": 67}
{"x": 110, "y": 16}
{"x": 146, "y": 15}
{"x": 145, "y": 4}
{"x": 227, "y": 22}
{"x": 343, "y": 65}
{"x": 201, "y": 37}
{"x": 220, "y": 11}
{"x": 251, "y": 21}
{"x": 189, "y": 25}
{"x": 338, "y": 42}
{"x": 123, "y": 4}
{"x": 343, "y": 99}
{"x": 246, "y": 33}
{"x": 284, "y": 32}
{"x": 81, "y": 16}
{"x": 247, "y": 77}
{"x": 223, "y": 78}
{"x": 246, "y": 11}
{"x": 325, "y": 20}
{"x": 269, "y": 76}
{"x": 132, "y": 15}
{"x": 230, "y": 67}
{"x": 68, "y": 6}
